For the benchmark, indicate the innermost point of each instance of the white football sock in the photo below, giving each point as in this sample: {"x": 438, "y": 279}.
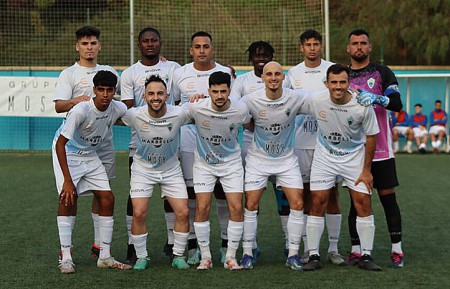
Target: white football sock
{"x": 140, "y": 245}
{"x": 397, "y": 247}
{"x": 356, "y": 249}
{"x": 366, "y": 231}
{"x": 333, "y": 222}
{"x": 235, "y": 230}
{"x": 314, "y": 231}
{"x": 295, "y": 227}
{"x": 191, "y": 205}
{"x": 65, "y": 236}
{"x": 409, "y": 144}
{"x": 250, "y": 227}
{"x": 284, "y": 221}
{"x": 180, "y": 242}
{"x": 202, "y": 231}
{"x": 170, "y": 224}
{"x": 304, "y": 237}
{"x": 129, "y": 221}
{"x": 395, "y": 145}
{"x": 106, "y": 225}
{"x": 223, "y": 214}
{"x": 433, "y": 144}
{"x": 438, "y": 143}
{"x": 96, "y": 228}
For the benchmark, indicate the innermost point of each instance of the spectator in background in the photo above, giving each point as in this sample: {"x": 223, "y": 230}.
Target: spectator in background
{"x": 418, "y": 122}
{"x": 438, "y": 120}
{"x": 400, "y": 123}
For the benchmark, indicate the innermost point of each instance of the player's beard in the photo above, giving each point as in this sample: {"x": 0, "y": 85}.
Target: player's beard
{"x": 163, "y": 105}
{"x": 360, "y": 58}
{"x": 222, "y": 105}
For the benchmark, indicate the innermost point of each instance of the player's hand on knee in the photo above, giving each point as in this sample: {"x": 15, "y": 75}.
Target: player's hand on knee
{"x": 68, "y": 193}
{"x": 367, "y": 179}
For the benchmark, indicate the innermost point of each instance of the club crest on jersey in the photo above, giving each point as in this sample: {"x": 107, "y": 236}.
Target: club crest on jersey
{"x": 170, "y": 127}
{"x": 232, "y": 126}
{"x": 288, "y": 112}
{"x": 350, "y": 120}
{"x": 371, "y": 82}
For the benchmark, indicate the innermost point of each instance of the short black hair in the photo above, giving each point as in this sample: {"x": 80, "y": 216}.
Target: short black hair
{"x": 262, "y": 45}
{"x": 418, "y": 104}
{"x": 358, "y": 32}
{"x": 310, "y": 33}
{"x": 219, "y": 77}
{"x": 154, "y": 78}
{"x": 105, "y": 78}
{"x": 438, "y": 101}
{"x": 148, "y": 29}
{"x": 87, "y": 31}
{"x": 337, "y": 69}
{"x": 201, "y": 34}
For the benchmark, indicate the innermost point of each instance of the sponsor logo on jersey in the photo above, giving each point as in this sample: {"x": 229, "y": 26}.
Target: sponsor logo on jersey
{"x": 84, "y": 81}
{"x": 101, "y": 117}
{"x": 297, "y": 83}
{"x": 144, "y": 126}
{"x": 275, "y": 105}
{"x": 338, "y": 153}
{"x": 152, "y": 70}
{"x": 190, "y": 85}
{"x": 275, "y": 128}
{"x": 137, "y": 190}
{"x": 219, "y": 117}
{"x": 156, "y": 141}
{"x": 350, "y": 120}
{"x": 336, "y": 138}
{"x": 93, "y": 140}
{"x": 203, "y": 75}
{"x": 337, "y": 109}
{"x": 262, "y": 113}
{"x": 157, "y": 121}
{"x": 216, "y": 139}
{"x": 371, "y": 82}
{"x": 205, "y": 123}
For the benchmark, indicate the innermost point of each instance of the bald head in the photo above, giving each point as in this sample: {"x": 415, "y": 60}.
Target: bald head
{"x": 272, "y": 65}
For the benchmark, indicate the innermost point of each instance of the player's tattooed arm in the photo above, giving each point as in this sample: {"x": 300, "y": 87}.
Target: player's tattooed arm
{"x": 62, "y": 105}
{"x": 68, "y": 191}
{"x": 366, "y": 176}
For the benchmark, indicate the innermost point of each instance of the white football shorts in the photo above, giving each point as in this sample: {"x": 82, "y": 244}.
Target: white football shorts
{"x": 143, "y": 181}
{"x": 324, "y": 172}
{"x": 230, "y": 175}
{"x": 435, "y": 129}
{"x": 287, "y": 174}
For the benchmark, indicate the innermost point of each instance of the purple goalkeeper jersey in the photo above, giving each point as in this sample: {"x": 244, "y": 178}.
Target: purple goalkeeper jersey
{"x": 380, "y": 80}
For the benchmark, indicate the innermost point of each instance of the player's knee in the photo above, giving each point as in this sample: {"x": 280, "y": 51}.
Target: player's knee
{"x": 202, "y": 211}
{"x": 296, "y": 204}
{"x": 251, "y": 205}
{"x": 139, "y": 215}
{"x": 236, "y": 211}
{"x": 182, "y": 214}
{"x": 106, "y": 200}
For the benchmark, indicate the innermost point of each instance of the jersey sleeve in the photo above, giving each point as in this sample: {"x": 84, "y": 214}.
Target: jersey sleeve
{"x": 306, "y": 101}
{"x": 287, "y": 80}
{"x": 120, "y": 108}
{"x": 370, "y": 124}
{"x": 237, "y": 88}
{"x": 73, "y": 120}
{"x": 126, "y": 85}
{"x": 390, "y": 88}
{"x": 187, "y": 113}
{"x": 64, "y": 87}
{"x": 129, "y": 115}
{"x": 176, "y": 92}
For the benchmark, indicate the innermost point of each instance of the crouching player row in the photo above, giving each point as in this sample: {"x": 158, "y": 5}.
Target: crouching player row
{"x": 79, "y": 170}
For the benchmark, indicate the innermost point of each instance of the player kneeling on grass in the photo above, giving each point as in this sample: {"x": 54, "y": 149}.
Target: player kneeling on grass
{"x": 345, "y": 149}
{"x": 157, "y": 125}
{"x": 78, "y": 169}
{"x": 218, "y": 156}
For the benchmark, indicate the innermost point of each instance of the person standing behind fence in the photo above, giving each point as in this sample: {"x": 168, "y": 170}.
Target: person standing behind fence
{"x": 75, "y": 84}
{"x": 438, "y": 121}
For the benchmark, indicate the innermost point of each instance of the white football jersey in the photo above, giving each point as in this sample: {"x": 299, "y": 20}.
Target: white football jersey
{"x": 217, "y": 130}
{"x": 309, "y": 79}
{"x": 158, "y": 138}
{"x": 273, "y": 136}
{"x": 188, "y": 81}
{"x": 76, "y": 81}
{"x": 245, "y": 84}
{"x": 87, "y": 128}
{"x": 342, "y": 128}
{"x": 133, "y": 81}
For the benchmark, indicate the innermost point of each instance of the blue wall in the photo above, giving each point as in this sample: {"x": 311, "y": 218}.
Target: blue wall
{"x": 26, "y": 133}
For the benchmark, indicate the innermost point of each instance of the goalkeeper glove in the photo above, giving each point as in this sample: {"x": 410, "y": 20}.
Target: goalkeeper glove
{"x": 366, "y": 98}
